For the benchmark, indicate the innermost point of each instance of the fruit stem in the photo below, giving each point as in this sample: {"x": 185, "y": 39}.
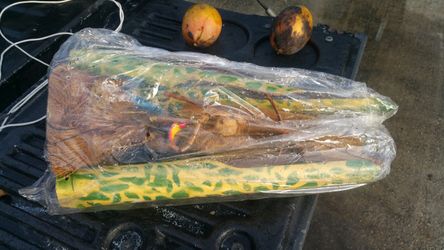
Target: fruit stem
{"x": 268, "y": 10}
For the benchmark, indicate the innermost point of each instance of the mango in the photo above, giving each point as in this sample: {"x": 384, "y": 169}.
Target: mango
{"x": 201, "y": 25}
{"x": 291, "y": 30}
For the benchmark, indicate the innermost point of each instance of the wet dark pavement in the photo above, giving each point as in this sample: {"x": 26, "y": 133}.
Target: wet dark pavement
{"x": 404, "y": 59}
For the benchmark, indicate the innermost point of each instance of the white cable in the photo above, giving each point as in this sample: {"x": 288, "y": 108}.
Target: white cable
{"x": 23, "y": 101}
{"x": 29, "y": 40}
{"x": 12, "y": 44}
{"x": 15, "y": 44}
{"x": 23, "y": 123}
{"x": 121, "y": 15}
{"x": 19, "y": 104}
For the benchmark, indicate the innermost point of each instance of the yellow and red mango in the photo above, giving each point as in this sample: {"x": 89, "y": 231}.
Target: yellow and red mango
{"x": 201, "y": 25}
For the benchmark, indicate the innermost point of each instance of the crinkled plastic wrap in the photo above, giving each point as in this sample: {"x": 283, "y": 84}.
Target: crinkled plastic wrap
{"x": 132, "y": 125}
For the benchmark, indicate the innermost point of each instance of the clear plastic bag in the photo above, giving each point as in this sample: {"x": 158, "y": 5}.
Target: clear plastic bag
{"x": 129, "y": 125}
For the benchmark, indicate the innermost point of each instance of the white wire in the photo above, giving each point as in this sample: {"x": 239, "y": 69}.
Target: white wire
{"x": 23, "y": 101}
{"x": 23, "y": 123}
{"x": 121, "y": 15}
{"x": 29, "y": 40}
{"x": 15, "y": 44}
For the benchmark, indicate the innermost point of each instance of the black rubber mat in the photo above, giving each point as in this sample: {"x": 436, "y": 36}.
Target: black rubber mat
{"x": 260, "y": 224}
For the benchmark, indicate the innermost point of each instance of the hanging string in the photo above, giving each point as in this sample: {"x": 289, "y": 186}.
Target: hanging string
{"x": 24, "y": 100}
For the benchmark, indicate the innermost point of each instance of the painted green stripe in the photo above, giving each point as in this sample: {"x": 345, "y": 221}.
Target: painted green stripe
{"x": 218, "y": 185}
{"x": 271, "y": 88}
{"x": 131, "y": 195}
{"x": 177, "y": 72}
{"x": 226, "y": 78}
{"x": 337, "y": 182}
{"x": 116, "y": 198}
{"x": 228, "y": 171}
{"x": 192, "y": 187}
{"x": 135, "y": 180}
{"x": 275, "y": 186}
{"x": 180, "y": 195}
{"x": 190, "y": 69}
{"x": 310, "y": 184}
{"x": 292, "y": 179}
{"x": 93, "y": 204}
{"x": 210, "y": 165}
{"x": 354, "y": 163}
{"x": 169, "y": 186}
{"x": 161, "y": 197}
{"x": 95, "y": 196}
{"x": 105, "y": 182}
{"x": 260, "y": 188}
{"x": 232, "y": 192}
{"x": 109, "y": 174}
{"x": 114, "y": 188}
{"x": 160, "y": 177}
{"x": 253, "y": 85}
{"x": 176, "y": 178}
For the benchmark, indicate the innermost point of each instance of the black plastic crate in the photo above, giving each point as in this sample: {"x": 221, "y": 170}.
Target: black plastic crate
{"x": 260, "y": 224}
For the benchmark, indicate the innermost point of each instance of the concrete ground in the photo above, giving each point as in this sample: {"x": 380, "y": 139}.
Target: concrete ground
{"x": 404, "y": 59}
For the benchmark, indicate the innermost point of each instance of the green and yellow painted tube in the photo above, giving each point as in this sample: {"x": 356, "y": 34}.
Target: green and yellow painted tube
{"x": 194, "y": 83}
{"x": 150, "y": 182}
